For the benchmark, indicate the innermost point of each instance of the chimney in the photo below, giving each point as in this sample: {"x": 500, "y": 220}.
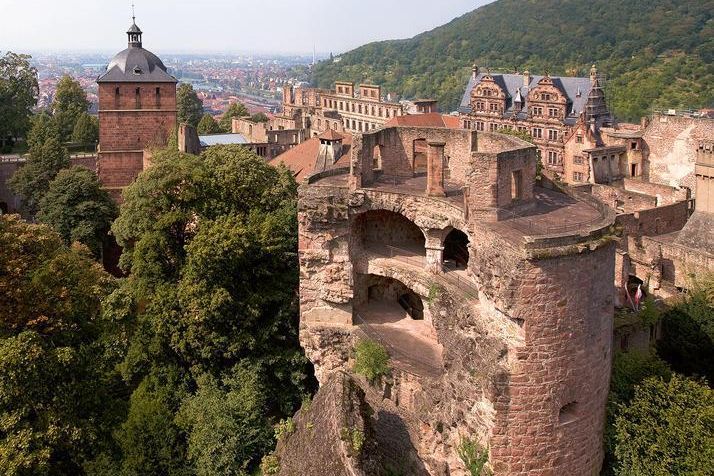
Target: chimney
{"x": 435, "y": 169}
{"x": 474, "y": 71}
{"x": 526, "y": 78}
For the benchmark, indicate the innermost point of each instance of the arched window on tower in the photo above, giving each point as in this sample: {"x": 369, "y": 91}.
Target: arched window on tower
{"x": 158, "y": 97}
{"x": 137, "y": 97}
{"x": 117, "y": 95}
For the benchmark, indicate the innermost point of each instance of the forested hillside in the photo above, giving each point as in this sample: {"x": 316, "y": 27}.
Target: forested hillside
{"x": 656, "y": 53}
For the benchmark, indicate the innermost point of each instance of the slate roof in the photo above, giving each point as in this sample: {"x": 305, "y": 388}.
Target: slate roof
{"x": 136, "y": 65}
{"x": 575, "y": 89}
{"x": 221, "y": 139}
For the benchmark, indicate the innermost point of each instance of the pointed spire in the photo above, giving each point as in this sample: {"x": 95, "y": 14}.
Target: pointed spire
{"x": 134, "y": 32}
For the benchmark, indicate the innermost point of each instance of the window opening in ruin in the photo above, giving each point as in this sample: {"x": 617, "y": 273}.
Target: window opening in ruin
{"x": 516, "y": 185}
{"x": 633, "y": 170}
{"x": 568, "y": 413}
{"x": 377, "y": 157}
{"x": 456, "y": 250}
{"x": 419, "y": 156}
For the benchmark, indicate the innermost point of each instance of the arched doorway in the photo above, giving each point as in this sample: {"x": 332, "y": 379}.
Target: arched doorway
{"x": 389, "y": 232}
{"x": 392, "y": 314}
{"x": 456, "y": 250}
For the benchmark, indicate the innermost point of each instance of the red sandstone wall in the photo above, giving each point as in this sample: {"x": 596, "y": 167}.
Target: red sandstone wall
{"x": 127, "y": 96}
{"x": 566, "y": 304}
{"x": 127, "y": 128}
{"x": 671, "y": 144}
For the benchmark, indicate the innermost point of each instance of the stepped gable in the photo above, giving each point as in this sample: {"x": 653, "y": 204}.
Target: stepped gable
{"x": 576, "y": 89}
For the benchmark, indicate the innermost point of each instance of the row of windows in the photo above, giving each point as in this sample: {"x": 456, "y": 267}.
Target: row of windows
{"x": 137, "y": 97}
{"x": 375, "y": 111}
{"x": 360, "y": 126}
{"x": 553, "y": 112}
{"x": 554, "y": 158}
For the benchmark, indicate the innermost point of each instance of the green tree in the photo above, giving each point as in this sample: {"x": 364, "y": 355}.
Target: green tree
{"x": 236, "y": 109}
{"x": 78, "y": 208}
{"x": 208, "y": 125}
{"x": 69, "y": 103}
{"x": 44, "y": 127}
{"x": 688, "y": 331}
{"x": 189, "y": 107}
{"x": 371, "y": 360}
{"x": 151, "y": 443}
{"x": 56, "y": 402}
{"x": 86, "y": 130}
{"x": 47, "y": 157}
{"x": 667, "y": 429}
{"x": 227, "y": 423}
{"x": 210, "y": 243}
{"x": 259, "y": 117}
{"x": 18, "y": 95}
{"x": 629, "y": 369}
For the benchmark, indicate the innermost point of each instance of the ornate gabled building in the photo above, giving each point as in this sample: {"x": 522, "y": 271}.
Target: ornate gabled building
{"x": 547, "y": 107}
{"x": 137, "y": 109}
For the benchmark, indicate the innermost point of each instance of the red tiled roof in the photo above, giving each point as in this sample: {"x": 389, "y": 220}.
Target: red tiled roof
{"x": 301, "y": 159}
{"x": 330, "y": 134}
{"x": 430, "y": 119}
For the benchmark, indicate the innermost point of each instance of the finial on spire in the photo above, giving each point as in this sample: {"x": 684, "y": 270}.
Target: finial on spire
{"x": 133, "y": 16}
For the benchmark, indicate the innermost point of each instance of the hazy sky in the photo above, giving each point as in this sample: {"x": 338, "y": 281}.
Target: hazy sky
{"x": 220, "y": 25}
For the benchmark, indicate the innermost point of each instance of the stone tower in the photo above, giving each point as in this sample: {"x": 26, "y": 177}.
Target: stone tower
{"x": 492, "y": 295}
{"x": 137, "y": 110}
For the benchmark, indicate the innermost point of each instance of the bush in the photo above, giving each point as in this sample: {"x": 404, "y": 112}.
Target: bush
{"x": 284, "y": 428}
{"x": 687, "y": 342}
{"x": 371, "y": 360}
{"x": 474, "y": 457}
{"x": 270, "y": 465}
{"x": 667, "y": 429}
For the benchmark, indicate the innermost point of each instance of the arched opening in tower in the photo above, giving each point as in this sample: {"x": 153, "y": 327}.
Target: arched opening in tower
{"x": 456, "y": 250}
{"x": 391, "y": 313}
{"x": 390, "y": 234}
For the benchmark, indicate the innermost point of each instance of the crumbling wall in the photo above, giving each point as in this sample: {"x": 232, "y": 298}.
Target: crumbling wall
{"x": 671, "y": 144}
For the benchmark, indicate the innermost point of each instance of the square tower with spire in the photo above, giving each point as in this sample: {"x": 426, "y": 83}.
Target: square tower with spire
{"x": 137, "y": 110}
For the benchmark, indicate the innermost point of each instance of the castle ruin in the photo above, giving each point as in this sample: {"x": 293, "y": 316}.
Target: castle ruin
{"x": 491, "y": 293}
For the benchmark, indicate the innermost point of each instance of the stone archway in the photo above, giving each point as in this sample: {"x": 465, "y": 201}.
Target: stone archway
{"x": 456, "y": 250}
{"x": 388, "y": 232}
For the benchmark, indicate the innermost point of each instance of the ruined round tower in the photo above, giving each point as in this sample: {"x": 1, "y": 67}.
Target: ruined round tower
{"x": 492, "y": 295}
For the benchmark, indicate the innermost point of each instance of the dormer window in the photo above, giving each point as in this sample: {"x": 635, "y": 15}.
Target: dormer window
{"x": 545, "y": 97}
{"x": 137, "y": 70}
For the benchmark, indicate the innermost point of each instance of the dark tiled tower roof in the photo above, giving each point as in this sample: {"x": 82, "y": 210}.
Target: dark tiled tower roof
{"x": 135, "y": 64}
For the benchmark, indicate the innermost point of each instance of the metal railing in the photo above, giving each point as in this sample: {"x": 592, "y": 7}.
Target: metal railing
{"x": 413, "y": 362}
{"x": 450, "y": 276}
